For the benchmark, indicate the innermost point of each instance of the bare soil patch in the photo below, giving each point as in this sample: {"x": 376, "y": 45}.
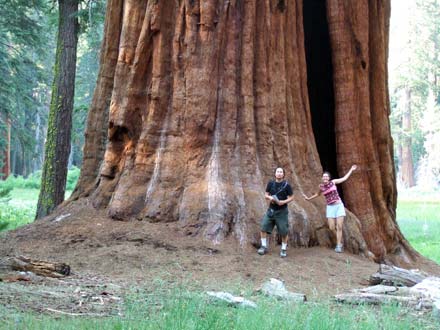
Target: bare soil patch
{"x": 109, "y": 257}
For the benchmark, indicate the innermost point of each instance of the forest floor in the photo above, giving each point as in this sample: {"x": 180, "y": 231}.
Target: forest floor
{"x": 109, "y": 259}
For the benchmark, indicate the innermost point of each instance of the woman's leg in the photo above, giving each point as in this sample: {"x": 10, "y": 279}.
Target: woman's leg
{"x": 332, "y": 224}
{"x": 339, "y": 224}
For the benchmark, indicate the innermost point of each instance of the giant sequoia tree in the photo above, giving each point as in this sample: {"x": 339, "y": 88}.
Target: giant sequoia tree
{"x": 198, "y": 101}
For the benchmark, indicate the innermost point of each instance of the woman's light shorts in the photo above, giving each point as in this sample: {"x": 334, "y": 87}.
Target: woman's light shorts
{"x": 335, "y": 210}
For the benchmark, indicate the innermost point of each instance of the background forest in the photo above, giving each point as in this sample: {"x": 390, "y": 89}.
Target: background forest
{"x": 27, "y": 53}
{"x": 414, "y": 83}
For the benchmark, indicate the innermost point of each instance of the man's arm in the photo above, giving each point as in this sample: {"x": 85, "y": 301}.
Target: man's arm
{"x": 286, "y": 201}
{"x": 268, "y": 196}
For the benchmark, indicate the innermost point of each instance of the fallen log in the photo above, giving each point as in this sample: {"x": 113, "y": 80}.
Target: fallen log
{"x": 396, "y": 276}
{"x": 377, "y": 299}
{"x": 425, "y": 294}
{"x": 378, "y": 289}
{"x": 38, "y": 267}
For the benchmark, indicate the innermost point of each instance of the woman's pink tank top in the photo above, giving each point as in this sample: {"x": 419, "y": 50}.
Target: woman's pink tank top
{"x": 330, "y": 192}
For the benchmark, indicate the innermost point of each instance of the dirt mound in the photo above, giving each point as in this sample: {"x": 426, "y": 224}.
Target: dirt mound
{"x": 135, "y": 252}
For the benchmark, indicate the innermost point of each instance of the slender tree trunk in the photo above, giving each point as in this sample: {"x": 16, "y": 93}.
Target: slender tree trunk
{"x": 57, "y": 148}
{"x": 407, "y": 167}
{"x": 36, "y": 163}
{"x": 206, "y": 98}
{"x": 14, "y": 161}
{"x": 6, "y": 167}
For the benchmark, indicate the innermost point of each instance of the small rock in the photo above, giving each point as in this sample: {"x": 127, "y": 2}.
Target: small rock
{"x": 61, "y": 217}
{"x": 226, "y": 296}
{"x": 436, "y": 309}
{"x": 276, "y": 288}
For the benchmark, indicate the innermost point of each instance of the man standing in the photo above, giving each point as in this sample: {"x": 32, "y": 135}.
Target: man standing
{"x": 279, "y": 193}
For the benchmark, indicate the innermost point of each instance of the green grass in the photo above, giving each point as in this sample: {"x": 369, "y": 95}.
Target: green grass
{"x": 20, "y": 209}
{"x": 418, "y": 210}
{"x": 420, "y": 224}
{"x": 181, "y": 309}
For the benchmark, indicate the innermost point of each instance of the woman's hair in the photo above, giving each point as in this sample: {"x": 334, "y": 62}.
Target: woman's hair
{"x": 328, "y": 173}
{"x": 284, "y": 172}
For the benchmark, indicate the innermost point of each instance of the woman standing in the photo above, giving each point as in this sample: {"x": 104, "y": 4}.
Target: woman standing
{"x": 335, "y": 208}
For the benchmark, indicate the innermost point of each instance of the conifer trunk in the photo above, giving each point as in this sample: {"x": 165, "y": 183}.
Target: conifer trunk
{"x": 407, "y": 168}
{"x": 57, "y": 147}
{"x": 6, "y": 159}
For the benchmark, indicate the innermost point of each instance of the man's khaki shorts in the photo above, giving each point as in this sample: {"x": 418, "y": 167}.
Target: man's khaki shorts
{"x": 279, "y": 218}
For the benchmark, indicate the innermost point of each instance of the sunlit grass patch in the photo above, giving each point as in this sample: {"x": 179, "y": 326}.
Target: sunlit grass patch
{"x": 423, "y": 235}
{"x": 20, "y": 208}
{"x": 419, "y": 221}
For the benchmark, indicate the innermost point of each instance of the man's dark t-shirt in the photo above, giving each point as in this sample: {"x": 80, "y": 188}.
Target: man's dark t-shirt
{"x": 282, "y": 190}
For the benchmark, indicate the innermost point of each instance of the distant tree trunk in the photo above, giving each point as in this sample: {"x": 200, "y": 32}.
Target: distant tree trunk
{"x": 6, "y": 159}
{"x": 36, "y": 163}
{"x": 14, "y": 161}
{"x": 206, "y": 98}
{"x": 57, "y": 148}
{"x": 407, "y": 167}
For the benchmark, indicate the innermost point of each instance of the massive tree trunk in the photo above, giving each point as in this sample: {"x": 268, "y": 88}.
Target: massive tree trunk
{"x": 57, "y": 147}
{"x": 206, "y": 98}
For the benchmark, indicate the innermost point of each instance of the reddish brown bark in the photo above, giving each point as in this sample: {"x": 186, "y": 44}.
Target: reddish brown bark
{"x": 207, "y": 97}
{"x": 6, "y": 159}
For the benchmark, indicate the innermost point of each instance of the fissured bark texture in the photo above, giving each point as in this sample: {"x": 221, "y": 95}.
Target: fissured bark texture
{"x": 206, "y": 98}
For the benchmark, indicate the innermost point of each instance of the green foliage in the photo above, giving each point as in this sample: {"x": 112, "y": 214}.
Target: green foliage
{"x": 4, "y": 199}
{"x": 13, "y": 216}
{"x": 33, "y": 181}
{"x": 19, "y": 207}
{"x": 72, "y": 178}
{"x": 5, "y": 194}
{"x": 15, "y": 211}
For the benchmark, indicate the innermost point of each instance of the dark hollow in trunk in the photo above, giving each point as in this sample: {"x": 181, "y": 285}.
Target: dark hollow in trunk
{"x": 320, "y": 82}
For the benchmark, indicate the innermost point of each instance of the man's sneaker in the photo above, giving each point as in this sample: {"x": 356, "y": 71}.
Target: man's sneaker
{"x": 339, "y": 248}
{"x": 262, "y": 250}
{"x": 283, "y": 253}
